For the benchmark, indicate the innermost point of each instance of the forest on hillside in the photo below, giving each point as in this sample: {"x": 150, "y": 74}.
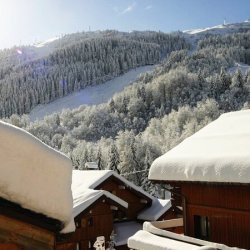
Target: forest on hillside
{"x": 183, "y": 94}
{"x": 77, "y": 61}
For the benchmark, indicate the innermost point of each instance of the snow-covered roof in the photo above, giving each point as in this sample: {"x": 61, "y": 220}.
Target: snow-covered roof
{"x": 91, "y": 165}
{"x": 217, "y": 153}
{"x": 83, "y": 198}
{"x": 92, "y": 179}
{"x": 156, "y": 210}
{"x": 144, "y": 240}
{"x": 34, "y": 175}
{"x": 124, "y": 230}
{"x": 152, "y": 238}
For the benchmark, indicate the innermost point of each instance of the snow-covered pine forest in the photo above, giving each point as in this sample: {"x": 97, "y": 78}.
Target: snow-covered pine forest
{"x": 32, "y": 75}
{"x": 189, "y": 88}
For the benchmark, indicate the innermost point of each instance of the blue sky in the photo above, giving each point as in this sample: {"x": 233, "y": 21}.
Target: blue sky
{"x": 28, "y": 21}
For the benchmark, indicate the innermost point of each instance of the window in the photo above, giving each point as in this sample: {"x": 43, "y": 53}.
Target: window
{"x": 201, "y": 227}
{"x": 119, "y": 215}
{"x": 90, "y": 222}
{"x": 84, "y": 222}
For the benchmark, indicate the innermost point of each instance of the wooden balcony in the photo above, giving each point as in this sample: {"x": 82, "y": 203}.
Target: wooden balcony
{"x": 174, "y": 225}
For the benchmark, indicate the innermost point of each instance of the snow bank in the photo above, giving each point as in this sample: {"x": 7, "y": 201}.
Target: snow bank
{"x": 157, "y": 209}
{"x": 34, "y": 175}
{"x": 217, "y": 153}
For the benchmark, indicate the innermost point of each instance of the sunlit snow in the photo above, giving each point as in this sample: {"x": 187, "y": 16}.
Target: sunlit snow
{"x": 91, "y": 95}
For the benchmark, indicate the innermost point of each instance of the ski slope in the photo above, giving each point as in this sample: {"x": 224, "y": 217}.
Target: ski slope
{"x": 244, "y": 68}
{"x": 91, "y": 95}
{"x": 221, "y": 29}
{"x": 194, "y": 35}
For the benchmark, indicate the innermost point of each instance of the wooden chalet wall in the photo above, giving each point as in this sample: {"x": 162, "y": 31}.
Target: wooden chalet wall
{"x": 24, "y": 235}
{"x": 136, "y": 201}
{"x": 96, "y": 221}
{"x": 227, "y": 208}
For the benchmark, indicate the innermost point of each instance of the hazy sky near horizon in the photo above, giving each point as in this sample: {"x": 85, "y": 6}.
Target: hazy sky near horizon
{"x": 30, "y": 21}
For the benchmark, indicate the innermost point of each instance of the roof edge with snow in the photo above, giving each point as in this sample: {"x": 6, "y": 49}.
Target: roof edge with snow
{"x": 217, "y": 153}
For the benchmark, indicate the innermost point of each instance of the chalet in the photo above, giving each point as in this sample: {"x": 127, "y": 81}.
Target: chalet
{"x": 117, "y": 185}
{"x": 210, "y": 172}
{"x": 44, "y": 206}
{"x": 93, "y": 217}
{"x": 141, "y": 206}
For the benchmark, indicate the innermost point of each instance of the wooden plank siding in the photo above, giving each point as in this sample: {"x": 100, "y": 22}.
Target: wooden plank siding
{"x": 24, "y": 235}
{"x": 224, "y": 196}
{"x": 226, "y": 206}
{"x": 227, "y": 226}
{"x": 95, "y": 221}
{"x": 131, "y": 196}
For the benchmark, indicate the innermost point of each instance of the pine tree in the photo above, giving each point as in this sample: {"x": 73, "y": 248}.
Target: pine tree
{"x": 114, "y": 159}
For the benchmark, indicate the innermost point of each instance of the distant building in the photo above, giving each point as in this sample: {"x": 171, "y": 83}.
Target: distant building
{"x": 91, "y": 166}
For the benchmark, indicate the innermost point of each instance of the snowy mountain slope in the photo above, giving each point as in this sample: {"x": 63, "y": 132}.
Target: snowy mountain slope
{"x": 46, "y": 42}
{"x": 194, "y": 35}
{"x": 220, "y": 29}
{"x": 90, "y": 95}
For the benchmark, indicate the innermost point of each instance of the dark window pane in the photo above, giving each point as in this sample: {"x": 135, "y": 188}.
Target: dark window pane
{"x": 201, "y": 227}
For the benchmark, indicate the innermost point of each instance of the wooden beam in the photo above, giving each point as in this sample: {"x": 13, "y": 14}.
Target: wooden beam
{"x": 15, "y": 211}
{"x": 27, "y": 236}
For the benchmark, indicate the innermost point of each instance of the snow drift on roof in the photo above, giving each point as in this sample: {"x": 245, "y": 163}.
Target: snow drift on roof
{"x": 217, "y": 153}
{"x": 34, "y": 175}
{"x": 152, "y": 238}
{"x": 157, "y": 209}
{"x": 144, "y": 240}
{"x": 83, "y": 198}
{"x": 93, "y": 178}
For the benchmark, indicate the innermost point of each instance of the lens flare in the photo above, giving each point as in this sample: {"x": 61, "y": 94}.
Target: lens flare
{"x": 19, "y": 51}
